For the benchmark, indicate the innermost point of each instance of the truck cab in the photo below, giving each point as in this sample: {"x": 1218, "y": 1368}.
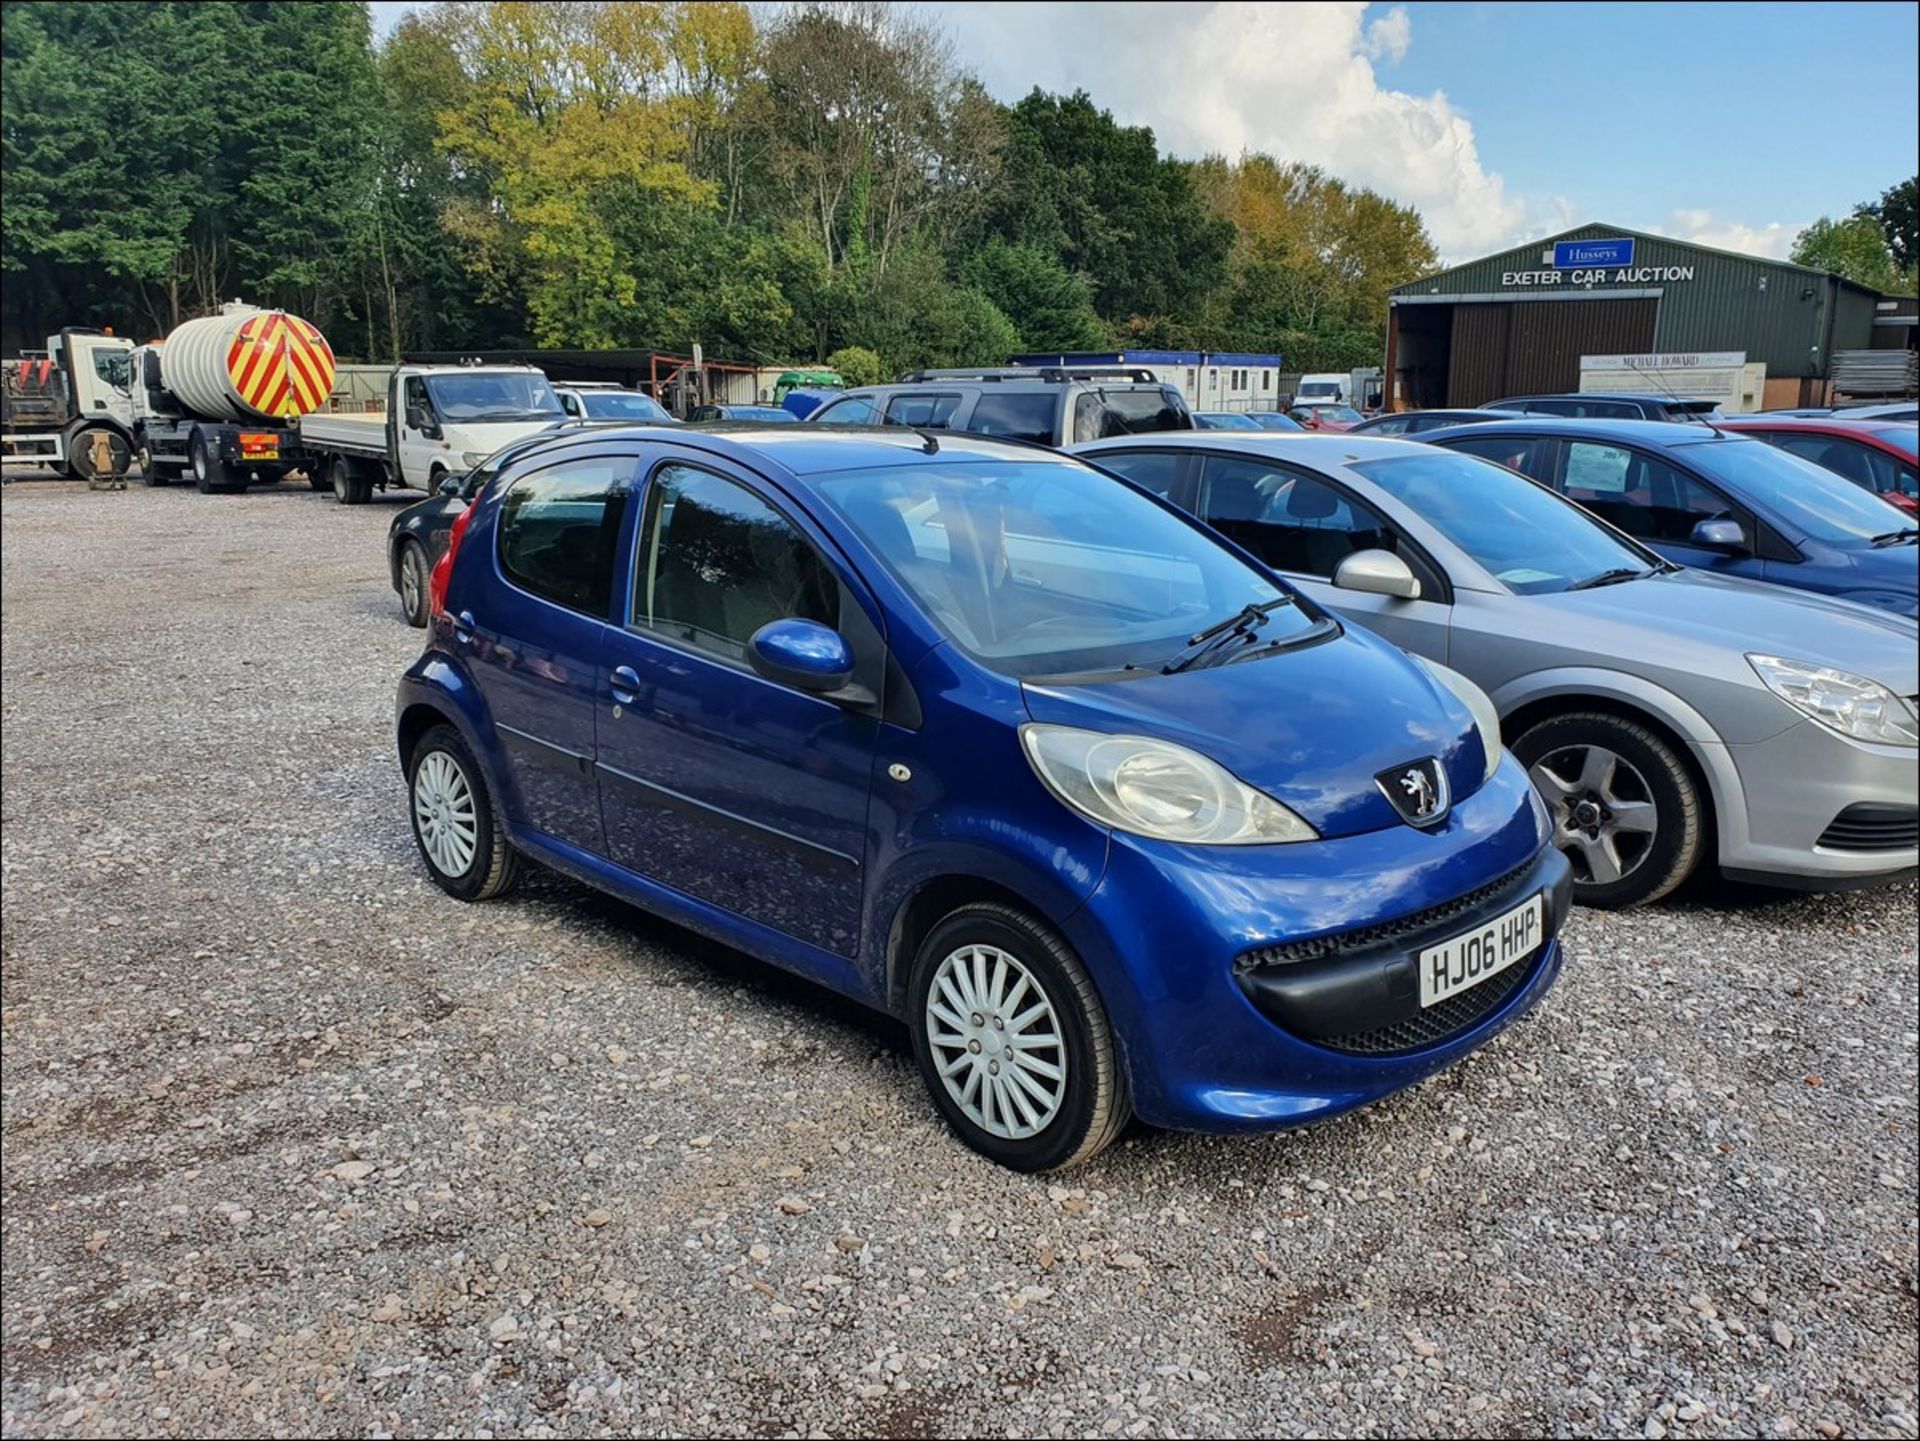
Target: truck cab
{"x": 71, "y": 407}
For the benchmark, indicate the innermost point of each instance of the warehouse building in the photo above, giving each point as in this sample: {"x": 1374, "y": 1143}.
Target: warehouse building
{"x": 1210, "y": 380}
{"x": 1602, "y": 308}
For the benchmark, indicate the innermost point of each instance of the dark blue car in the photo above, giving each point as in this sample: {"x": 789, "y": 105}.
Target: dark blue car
{"x": 1717, "y": 501}
{"x": 984, "y": 737}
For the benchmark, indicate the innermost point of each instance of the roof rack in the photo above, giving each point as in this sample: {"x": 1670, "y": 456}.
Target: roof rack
{"x": 1052, "y": 374}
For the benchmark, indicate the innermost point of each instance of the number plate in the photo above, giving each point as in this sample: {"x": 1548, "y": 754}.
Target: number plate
{"x": 1465, "y": 961}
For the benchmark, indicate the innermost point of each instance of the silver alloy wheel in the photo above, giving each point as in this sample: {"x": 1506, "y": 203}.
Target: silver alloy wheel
{"x": 199, "y": 455}
{"x": 443, "y": 809}
{"x": 1598, "y": 799}
{"x": 996, "y": 1042}
{"x": 410, "y": 580}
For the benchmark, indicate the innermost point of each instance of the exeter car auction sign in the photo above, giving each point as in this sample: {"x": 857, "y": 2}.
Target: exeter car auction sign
{"x": 1595, "y": 262}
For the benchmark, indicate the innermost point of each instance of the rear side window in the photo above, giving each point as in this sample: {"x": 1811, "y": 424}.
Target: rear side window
{"x": 931, "y": 412}
{"x": 854, "y": 410}
{"x": 1644, "y": 496}
{"x": 1515, "y": 452}
{"x": 558, "y": 530}
{"x": 716, "y": 563}
{"x": 1016, "y": 415}
{"x": 1154, "y": 470}
{"x": 1395, "y": 425}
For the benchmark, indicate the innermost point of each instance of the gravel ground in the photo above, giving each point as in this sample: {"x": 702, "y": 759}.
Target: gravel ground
{"x": 295, "y": 1144}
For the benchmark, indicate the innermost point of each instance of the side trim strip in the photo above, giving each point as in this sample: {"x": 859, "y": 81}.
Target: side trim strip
{"x": 824, "y": 857}
{"x": 524, "y": 741}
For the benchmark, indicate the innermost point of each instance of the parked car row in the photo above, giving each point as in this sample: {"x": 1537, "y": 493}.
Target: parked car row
{"x": 1167, "y": 776}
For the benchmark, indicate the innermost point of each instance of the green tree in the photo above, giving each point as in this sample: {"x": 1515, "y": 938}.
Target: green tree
{"x": 1894, "y": 213}
{"x": 857, "y": 365}
{"x": 1049, "y": 307}
{"x": 1854, "y": 247}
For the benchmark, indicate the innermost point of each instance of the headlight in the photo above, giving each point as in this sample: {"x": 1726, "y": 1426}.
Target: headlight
{"x": 1486, "y": 719}
{"x": 471, "y": 458}
{"x": 1152, "y": 788}
{"x": 1850, "y": 704}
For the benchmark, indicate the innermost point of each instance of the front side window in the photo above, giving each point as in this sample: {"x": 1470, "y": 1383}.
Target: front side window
{"x": 1877, "y": 470}
{"x": 928, "y": 412}
{"x": 114, "y": 367}
{"x": 623, "y": 405}
{"x": 1525, "y": 536}
{"x": 1154, "y": 470}
{"x": 850, "y": 410}
{"x": 570, "y": 403}
{"x": 477, "y": 396}
{"x": 716, "y": 562}
{"x": 1046, "y": 567}
{"x": 1291, "y": 521}
{"x": 1814, "y": 501}
{"x": 414, "y": 396}
{"x": 1393, "y": 425}
{"x": 559, "y": 528}
{"x": 1645, "y": 497}
{"x": 1016, "y": 415}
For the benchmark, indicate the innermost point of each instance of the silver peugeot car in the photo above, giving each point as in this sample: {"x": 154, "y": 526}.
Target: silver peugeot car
{"x": 1663, "y": 713}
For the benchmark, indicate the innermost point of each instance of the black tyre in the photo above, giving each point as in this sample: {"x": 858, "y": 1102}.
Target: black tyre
{"x": 318, "y": 479}
{"x": 1625, "y": 808}
{"x": 350, "y": 487}
{"x": 1013, "y": 1041}
{"x": 455, "y": 825}
{"x": 150, "y": 473}
{"x": 210, "y": 473}
{"x": 99, "y": 453}
{"x": 414, "y": 576}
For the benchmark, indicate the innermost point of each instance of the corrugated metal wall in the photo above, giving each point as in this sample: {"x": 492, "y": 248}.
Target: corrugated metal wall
{"x": 1534, "y": 347}
{"x": 1777, "y": 313}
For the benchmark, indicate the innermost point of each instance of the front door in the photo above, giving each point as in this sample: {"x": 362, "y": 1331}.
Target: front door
{"x": 1656, "y": 503}
{"x": 1304, "y": 525}
{"x": 415, "y": 450}
{"x": 533, "y": 634}
{"x": 726, "y": 786}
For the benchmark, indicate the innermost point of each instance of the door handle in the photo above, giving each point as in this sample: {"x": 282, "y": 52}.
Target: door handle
{"x": 625, "y": 684}
{"x": 463, "y": 627}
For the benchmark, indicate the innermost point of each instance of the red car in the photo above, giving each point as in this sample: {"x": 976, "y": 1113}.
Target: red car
{"x": 1876, "y": 455}
{"x": 1326, "y": 416}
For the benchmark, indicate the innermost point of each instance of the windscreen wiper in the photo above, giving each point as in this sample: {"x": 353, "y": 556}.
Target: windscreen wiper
{"x": 1610, "y": 577}
{"x": 1205, "y": 642}
{"x": 1897, "y": 537}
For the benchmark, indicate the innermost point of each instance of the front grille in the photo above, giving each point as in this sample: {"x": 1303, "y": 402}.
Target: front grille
{"x": 1870, "y": 827}
{"x": 1437, "y": 1023}
{"x": 1386, "y": 931}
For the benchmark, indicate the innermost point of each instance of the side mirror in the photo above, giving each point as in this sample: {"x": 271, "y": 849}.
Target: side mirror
{"x": 801, "y": 653}
{"x": 453, "y": 485}
{"x": 1377, "y": 572}
{"x": 1720, "y": 533}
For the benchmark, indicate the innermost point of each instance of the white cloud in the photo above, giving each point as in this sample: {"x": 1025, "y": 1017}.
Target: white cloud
{"x": 1297, "y": 81}
{"x": 1772, "y": 240}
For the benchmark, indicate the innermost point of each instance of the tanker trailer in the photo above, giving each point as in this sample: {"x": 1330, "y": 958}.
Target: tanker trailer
{"x": 218, "y": 397}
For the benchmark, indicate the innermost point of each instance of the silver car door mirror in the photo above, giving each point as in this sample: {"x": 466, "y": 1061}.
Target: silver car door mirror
{"x": 1719, "y": 534}
{"x": 1377, "y": 572}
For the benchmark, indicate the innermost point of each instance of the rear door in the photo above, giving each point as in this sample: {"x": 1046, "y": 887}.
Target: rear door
{"x": 532, "y": 628}
{"x": 726, "y": 786}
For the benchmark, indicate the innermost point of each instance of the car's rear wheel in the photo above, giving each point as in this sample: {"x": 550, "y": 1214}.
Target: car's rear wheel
{"x": 1013, "y": 1041}
{"x": 413, "y": 582}
{"x": 454, "y": 822}
{"x": 350, "y": 487}
{"x": 1625, "y": 808}
{"x": 210, "y": 473}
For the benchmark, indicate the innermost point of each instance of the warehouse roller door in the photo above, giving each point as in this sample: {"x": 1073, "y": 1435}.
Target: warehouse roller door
{"x": 1534, "y": 347}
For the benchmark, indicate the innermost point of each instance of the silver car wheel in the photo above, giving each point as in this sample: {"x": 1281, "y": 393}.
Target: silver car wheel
{"x": 1604, "y": 817}
{"x": 997, "y": 1044}
{"x": 443, "y": 810}
{"x": 409, "y": 581}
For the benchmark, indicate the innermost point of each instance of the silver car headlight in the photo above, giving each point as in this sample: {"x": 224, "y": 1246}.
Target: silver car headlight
{"x": 1154, "y": 788}
{"x": 471, "y": 458}
{"x": 1486, "y": 719}
{"x": 1851, "y": 704}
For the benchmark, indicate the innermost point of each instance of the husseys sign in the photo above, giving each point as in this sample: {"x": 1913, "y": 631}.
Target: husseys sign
{"x": 1595, "y": 262}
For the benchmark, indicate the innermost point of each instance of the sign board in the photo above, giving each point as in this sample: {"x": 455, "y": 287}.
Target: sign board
{"x": 1718, "y": 375}
{"x": 1572, "y": 254}
{"x": 1591, "y": 275}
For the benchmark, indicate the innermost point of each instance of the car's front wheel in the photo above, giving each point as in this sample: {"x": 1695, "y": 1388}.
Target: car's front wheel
{"x": 1013, "y": 1041}
{"x": 454, "y": 822}
{"x": 1625, "y": 808}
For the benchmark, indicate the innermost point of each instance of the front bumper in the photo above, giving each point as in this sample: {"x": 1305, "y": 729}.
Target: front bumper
{"x": 1214, "y": 1041}
{"x": 1795, "y": 787}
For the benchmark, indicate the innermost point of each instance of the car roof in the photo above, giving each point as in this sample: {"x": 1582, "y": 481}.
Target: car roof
{"x": 815, "y": 449}
{"x": 1630, "y": 396}
{"x": 1312, "y": 447}
{"x": 1812, "y": 424}
{"x": 1654, "y": 433}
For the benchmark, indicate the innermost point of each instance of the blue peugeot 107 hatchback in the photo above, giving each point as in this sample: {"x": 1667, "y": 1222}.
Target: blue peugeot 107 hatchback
{"x": 1116, "y": 821}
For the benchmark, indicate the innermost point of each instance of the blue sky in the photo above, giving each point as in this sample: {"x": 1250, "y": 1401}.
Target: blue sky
{"x": 1734, "y": 124}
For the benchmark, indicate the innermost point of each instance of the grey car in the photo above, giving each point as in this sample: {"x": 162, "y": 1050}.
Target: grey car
{"x": 1661, "y": 712}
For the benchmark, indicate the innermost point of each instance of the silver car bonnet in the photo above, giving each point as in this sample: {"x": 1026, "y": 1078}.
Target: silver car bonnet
{"x": 1729, "y": 614}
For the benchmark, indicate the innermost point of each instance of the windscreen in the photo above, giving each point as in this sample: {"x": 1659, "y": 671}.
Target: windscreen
{"x": 1809, "y": 498}
{"x": 622, "y": 405}
{"x": 1050, "y": 568}
{"x": 467, "y": 397}
{"x": 1528, "y": 538}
